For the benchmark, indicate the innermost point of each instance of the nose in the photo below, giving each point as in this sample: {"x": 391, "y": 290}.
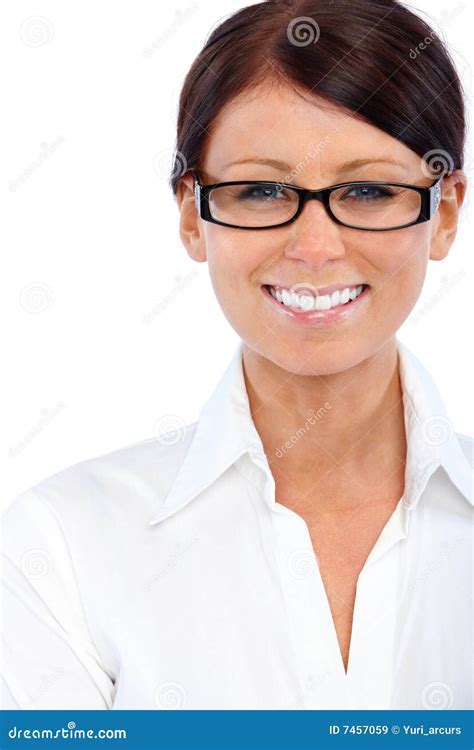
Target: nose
{"x": 314, "y": 237}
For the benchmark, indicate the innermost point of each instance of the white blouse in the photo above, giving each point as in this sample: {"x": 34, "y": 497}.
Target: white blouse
{"x": 165, "y": 575}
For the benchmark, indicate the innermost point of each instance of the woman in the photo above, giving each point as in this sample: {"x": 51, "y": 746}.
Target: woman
{"x": 306, "y": 544}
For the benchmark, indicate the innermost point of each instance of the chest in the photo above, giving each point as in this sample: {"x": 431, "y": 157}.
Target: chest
{"x": 340, "y": 559}
{"x": 342, "y": 542}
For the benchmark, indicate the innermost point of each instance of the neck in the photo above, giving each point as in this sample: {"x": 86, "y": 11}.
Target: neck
{"x": 337, "y": 432}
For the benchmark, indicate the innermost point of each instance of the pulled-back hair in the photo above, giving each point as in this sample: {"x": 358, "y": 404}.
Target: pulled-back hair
{"x": 375, "y": 58}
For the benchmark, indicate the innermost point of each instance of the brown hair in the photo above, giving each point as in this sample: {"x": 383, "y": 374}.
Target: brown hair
{"x": 375, "y": 58}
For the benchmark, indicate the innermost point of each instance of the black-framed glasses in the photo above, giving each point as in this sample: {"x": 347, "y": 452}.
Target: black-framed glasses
{"x": 370, "y": 205}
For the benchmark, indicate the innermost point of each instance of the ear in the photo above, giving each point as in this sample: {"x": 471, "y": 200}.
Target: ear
{"x": 190, "y": 223}
{"x": 445, "y": 224}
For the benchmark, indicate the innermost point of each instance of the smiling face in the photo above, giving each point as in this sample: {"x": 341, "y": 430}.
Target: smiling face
{"x": 313, "y": 143}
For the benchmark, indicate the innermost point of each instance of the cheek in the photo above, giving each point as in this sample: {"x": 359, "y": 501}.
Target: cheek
{"x": 236, "y": 256}
{"x": 401, "y": 264}
{"x": 237, "y": 261}
{"x": 229, "y": 263}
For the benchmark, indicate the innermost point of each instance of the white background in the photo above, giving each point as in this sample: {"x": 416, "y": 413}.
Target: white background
{"x": 110, "y": 327}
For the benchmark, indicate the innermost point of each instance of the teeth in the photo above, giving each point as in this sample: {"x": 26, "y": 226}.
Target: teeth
{"x": 308, "y": 302}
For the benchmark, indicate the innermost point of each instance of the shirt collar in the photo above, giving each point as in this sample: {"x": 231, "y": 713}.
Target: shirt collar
{"x": 431, "y": 439}
{"x": 225, "y": 431}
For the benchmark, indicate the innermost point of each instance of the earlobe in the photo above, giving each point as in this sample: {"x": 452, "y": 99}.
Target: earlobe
{"x": 453, "y": 192}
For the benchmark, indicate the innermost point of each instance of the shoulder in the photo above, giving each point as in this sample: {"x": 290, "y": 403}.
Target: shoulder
{"x": 128, "y": 482}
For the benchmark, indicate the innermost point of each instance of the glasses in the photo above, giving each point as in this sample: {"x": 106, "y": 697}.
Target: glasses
{"x": 374, "y": 206}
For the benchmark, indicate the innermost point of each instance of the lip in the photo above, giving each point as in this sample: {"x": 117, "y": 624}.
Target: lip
{"x": 319, "y": 318}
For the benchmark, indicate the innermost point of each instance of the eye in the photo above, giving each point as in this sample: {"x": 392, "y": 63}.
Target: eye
{"x": 263, "y": 192}
{"x": 369, "y": 193}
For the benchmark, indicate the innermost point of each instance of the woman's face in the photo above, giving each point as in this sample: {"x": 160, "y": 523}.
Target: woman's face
{"x": 313, "y": 143}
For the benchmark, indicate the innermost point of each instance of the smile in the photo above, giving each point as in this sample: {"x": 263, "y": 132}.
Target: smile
{"x": 317, "y": 311}
{"x": 308, "y": 301}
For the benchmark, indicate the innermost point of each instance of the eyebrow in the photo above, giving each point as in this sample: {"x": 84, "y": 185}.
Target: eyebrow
{"x": 354, "y": 164}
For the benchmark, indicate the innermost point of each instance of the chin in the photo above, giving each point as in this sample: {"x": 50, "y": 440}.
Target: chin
{"x": 308, "y": 358}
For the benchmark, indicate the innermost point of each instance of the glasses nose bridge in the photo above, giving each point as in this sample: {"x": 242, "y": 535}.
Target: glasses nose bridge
{"x": 309, "y": 195}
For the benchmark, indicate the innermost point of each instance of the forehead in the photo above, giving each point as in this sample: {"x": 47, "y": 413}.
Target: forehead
{"x": 278, "y": 123}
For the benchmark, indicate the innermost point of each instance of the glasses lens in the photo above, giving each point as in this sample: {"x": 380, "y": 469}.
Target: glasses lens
{"x": 253, "y": 205}
{"x": 375, "y": 206}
